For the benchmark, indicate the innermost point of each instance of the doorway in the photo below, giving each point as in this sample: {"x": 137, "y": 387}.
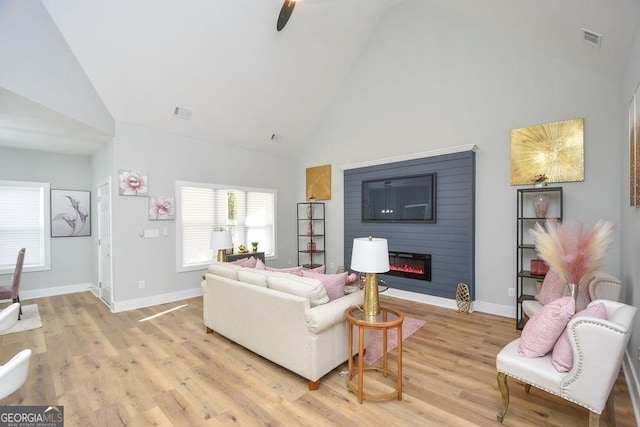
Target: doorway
{"x": 105, "y": 289}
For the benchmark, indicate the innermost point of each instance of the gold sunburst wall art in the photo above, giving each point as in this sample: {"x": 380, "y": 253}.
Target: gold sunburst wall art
{"x": 552, "y": 149}
{"x": 319, "y": 183}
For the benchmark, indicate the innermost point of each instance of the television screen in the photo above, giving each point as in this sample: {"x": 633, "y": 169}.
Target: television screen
{"x": 407, "y": 198}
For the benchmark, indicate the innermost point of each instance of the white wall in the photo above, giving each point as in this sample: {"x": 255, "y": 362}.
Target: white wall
{"x": 428, "y": 80}
{"x": 630, "y": 224}
{"x": 167, "y": 157}
{"x": 71, "y": 257}
{"x": 39, "y": 65}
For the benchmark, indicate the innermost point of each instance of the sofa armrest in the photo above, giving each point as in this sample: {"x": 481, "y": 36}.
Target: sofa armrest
{"x": 324, "y": 316}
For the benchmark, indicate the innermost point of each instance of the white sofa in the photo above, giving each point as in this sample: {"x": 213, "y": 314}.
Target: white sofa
{"x": 282, "y": 317}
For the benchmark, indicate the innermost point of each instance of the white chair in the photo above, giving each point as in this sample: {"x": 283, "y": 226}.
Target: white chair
{"x": 9, "y": 316}
{"x": 602, "y": 286}
{"x": 598, "y": 347}
{"x": 13, "y": 374}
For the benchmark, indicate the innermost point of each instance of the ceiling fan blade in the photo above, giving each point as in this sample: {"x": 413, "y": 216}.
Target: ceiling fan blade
{"x": 285, "y": 13}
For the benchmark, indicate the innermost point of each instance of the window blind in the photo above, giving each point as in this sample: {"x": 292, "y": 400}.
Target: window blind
{"x": 24, "y": 223}
{"x": 202, "y": 208}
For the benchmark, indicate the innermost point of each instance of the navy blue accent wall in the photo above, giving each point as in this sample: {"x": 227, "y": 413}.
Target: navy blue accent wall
{"x": 450, "y": 240}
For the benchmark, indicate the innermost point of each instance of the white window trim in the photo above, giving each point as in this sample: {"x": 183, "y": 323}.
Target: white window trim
{"x": 45, "y": 226}
{"x": 179, "y": 267}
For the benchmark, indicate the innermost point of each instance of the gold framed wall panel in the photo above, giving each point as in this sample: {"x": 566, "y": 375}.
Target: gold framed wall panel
{"x": 319, "y": 183}
{"x": 553, "y": 149}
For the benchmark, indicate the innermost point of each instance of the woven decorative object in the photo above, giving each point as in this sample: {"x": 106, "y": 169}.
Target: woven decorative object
{"x": 463, "y": 298}
{"x": 340, "y": 269}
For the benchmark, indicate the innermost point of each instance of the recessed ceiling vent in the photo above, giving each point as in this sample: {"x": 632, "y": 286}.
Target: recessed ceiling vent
{"x": 591, "y": 37}
{"x": 182, "y": 113}
{"x": 275, "y": 137}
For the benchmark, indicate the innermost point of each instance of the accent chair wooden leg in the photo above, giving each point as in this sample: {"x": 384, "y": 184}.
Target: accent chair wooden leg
{"x": 594, "y": 420}
{"x": 527, "y": 388}
{"x": 17, "y": 299}
{"x": 611, "y": 414}
{"x": 208, "y": 330}
{"x": 504, "y": 390}
{"x": 314, "y": 385}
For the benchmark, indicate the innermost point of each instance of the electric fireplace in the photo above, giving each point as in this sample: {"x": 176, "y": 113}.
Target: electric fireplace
{"x": 410, "y": 265}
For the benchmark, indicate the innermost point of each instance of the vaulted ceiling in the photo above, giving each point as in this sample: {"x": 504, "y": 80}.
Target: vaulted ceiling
{"x": 242, "y": 81}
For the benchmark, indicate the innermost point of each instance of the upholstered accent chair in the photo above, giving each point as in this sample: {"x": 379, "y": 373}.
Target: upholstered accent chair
{"x": 9, "y": 316}
{"x": 14, "y": 373}
{"x": 598, "y": 346}
{"x": 11, "y": 291}
{"x": 601, "y": 286}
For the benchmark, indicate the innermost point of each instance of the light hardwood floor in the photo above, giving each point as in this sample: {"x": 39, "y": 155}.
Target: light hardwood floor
{"x": 131, "y": 369}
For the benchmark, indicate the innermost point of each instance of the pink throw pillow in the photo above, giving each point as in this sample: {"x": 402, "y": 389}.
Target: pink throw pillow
{"x": 291, "y": 270}
{"x": 562, "y": 356}
{"x": 320, "y": 269}
{"x": 333, "y": 283}
{"x": 541, "y": 332}
{"x": 246, "y": 262}
{"x": 553, "y": 287}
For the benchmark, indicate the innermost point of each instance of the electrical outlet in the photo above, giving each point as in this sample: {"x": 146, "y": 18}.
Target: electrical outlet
{"x": 512, "y": 292}
{"x": 141, "y": 284}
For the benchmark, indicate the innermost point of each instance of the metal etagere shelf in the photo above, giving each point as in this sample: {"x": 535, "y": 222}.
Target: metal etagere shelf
{"x": 311, "y": 237}
{"x": 527, "y": 217}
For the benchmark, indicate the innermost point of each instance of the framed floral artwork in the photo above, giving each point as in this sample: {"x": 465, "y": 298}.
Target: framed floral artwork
{"x": 162, "y": 207}
{"x": 70, "y": 213}
{"x": 132, "y": 183}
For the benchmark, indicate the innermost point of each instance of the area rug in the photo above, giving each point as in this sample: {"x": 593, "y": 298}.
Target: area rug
{"x": 373, "y": 352}
{"x": 30, "y": 320}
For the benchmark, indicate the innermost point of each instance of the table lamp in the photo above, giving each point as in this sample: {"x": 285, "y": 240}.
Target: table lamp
{"x": 220, "y": 242}
{"x": 371, "y": 256}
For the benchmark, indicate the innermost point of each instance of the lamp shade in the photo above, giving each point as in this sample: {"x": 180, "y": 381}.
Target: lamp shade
{"x": 221, "y": 240}
{"x": 370, "y": 255}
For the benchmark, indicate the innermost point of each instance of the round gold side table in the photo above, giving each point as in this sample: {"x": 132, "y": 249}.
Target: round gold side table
{"x": 387, "y": 319}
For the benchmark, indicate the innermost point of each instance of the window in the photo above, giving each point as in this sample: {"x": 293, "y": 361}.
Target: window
{"x": 24, "y": 223}
{"x": 249, "y": 213}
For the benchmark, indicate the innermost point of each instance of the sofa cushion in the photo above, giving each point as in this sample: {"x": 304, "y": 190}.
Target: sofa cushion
{"x": 225, "y": 269}
{"x": 253, "y": 276}
{"x": 312, "y": 289}
{"x": 562, "y": 356}
{"x": 541, "y": 332}
{"x": 333, "y": 283}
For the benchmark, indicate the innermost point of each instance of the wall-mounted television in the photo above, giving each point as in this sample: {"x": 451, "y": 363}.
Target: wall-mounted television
{"x": 400, "y": 199}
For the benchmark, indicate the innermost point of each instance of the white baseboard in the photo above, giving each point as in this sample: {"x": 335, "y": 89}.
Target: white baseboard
{"x": 483, "y": 307}
{"x": 156, "y": 300}
{"x": 58, "y": 290}
{"x": 631, "y": 377}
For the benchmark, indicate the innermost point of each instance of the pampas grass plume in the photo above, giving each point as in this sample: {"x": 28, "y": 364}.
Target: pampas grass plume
{"x": 571, "y": 249}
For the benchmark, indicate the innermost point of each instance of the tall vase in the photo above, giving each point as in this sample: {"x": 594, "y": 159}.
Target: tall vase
{"x": 540, "y": 205}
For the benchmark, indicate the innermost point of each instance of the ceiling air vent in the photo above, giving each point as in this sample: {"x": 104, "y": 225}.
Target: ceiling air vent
{"x": 182, "y": 113}
{"x": 275, "y": 137}
{"x": 591, "y": 37}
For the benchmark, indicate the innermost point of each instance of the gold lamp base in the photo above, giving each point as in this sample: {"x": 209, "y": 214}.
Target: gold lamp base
{"x": 222, "y": 255}
{"x": 371, "y": 307}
